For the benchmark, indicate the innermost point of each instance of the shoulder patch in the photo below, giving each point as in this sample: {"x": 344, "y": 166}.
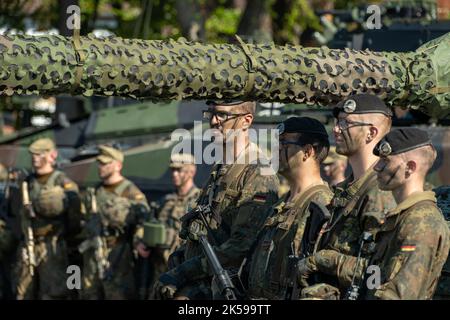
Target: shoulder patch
{"x": 409, "y": 248}
{"x": 68, "y": 185}
{"x": 139, "y": 196}
{"x": 261, "y": 198}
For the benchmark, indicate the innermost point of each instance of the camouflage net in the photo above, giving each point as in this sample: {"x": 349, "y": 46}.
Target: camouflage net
{"x": 163, "y": 70}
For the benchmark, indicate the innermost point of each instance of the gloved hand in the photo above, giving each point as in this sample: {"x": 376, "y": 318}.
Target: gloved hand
{"x": 327, "y": 261}
{"x": 196, "y": 229}
{"x": 172, "y": 280}
{"x": 305, "y": 268}
{"x": 166, "y": 287}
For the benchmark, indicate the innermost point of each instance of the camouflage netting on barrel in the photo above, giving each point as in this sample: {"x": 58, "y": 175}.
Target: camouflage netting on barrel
{"x": 161, "y": 70}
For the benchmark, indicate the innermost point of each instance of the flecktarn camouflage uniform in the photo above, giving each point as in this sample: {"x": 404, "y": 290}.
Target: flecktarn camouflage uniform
{"x": 282, "y": 232}
{"x": 240, "y": 197}
{"x": 56, "y": 202}
{"x": 121, "y": 207}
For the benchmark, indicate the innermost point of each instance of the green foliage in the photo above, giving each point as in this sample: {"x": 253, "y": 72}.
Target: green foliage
{"x": 297, "y": 17}
{"x": 223, "y": 22}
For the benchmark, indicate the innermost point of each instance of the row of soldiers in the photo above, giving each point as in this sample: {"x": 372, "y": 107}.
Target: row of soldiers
{"x": 99, "y": 230}
{"x": 312, "y": 242}
{"x": 316, "y": 242}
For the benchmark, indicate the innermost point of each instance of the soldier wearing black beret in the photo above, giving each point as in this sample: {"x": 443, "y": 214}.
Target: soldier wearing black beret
{"x": 361, "y": 121}
{"x": 303, "y": 146}
{"x": 413, "y": 242}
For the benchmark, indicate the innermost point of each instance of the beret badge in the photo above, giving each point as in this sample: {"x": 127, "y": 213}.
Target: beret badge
{"x": 384, "y": 149}
{"x": 350, "y": 106}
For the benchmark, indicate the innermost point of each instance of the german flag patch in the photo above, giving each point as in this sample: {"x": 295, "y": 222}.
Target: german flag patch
{"x": 260, "y": 198}
{"x": 139, "y": 196}
{"x": 68, "y": 185}
{"x": 408, "y": 248}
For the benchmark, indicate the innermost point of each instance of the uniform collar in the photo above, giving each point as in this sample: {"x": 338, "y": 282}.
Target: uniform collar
{"x": 411, "y": 200}
{"x": 353, "y": 186}
{"x": 299, "y": 196}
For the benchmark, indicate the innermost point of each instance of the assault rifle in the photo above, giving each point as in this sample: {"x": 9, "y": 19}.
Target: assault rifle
{"x": 221, "y": 277}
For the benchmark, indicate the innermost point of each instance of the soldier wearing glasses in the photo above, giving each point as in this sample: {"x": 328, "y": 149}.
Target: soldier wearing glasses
{"x": 413, "y": 242}
{"x": 238, "y": 194}
{"x": 358, "y": 204}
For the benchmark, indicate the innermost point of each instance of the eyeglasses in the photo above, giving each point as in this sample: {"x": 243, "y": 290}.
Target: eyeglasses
{"x": 220, "y": 115}
{"x": 344, "y": 124}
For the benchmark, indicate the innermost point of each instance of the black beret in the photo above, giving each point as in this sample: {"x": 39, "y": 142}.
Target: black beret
{"x": 302, "y": 125}
{"x": 227, "y": 102}
{"x": 401, "y": 140}
{"x": 362, "y": 103}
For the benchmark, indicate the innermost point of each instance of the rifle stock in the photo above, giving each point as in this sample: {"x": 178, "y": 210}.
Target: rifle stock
{"x": 221, "y": 277}
{"x": 27, "y": 230}
{"x": 97, "y": 243}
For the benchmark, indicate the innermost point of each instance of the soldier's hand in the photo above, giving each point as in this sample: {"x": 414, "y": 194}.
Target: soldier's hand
{"x": 165, "y": 288}
{"x": 142, "y": 250}
{"x": 305, "y": 268}
{"x": 196, "y": 229}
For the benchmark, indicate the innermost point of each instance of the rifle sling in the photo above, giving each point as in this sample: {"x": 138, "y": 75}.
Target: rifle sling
{"x": 356, "y": 201}
{"x": 301, "y": 203}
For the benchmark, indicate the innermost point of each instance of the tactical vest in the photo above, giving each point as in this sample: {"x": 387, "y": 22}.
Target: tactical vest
{"x": 221, "y": 192}
{"x": 107, "y": 199}
{"x": 343, "y": 206}
{"x": 42, "y": 225}
{"x": 279, "y": 238}
{"x": 173, "y": 209}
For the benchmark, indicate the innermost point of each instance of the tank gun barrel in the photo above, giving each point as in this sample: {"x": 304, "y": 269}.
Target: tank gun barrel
{"x": 178, "y": 69}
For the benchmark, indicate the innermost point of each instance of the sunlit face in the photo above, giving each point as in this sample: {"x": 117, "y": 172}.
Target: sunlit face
{"x": 106, "y": 170}
{"x": 181, "y": 175}
{"x": 390, "y": 172}
{"x": 224, "y": 118}
{"x": 43, "y": 161}
{"x": 349, "y": 133}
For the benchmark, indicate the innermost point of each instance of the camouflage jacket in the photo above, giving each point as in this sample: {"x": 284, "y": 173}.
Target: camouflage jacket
{"x": 281, "y": 234}
{"x": 173, "y": 208}
{"x": 356, "y": 207}
{"x": 120, "y": 214}
{"x": 69, "y": 220}
{"x": 240, "y": 197}
{"x": 412, "y": 247}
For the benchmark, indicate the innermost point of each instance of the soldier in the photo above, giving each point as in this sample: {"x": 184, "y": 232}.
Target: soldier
{"x": 358, "y": 204}
{"x": 238, "y": 194}
{"x": 412, "y": 245}
{"x": 120, "y": 207}
{"x": 303, "y": 146}
{"x": 334, "y": 167}
{"x": 52, "y": 215}
{"x": 174, "y": 206}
